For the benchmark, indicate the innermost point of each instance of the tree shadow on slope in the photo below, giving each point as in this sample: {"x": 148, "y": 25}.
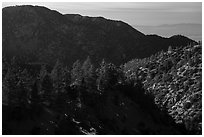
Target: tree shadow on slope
{"x": 137, "y": 94}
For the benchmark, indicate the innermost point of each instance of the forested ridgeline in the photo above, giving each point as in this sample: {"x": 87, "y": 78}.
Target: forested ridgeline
{"x": 156, "y": 95}
{"x": 174, "y": 78}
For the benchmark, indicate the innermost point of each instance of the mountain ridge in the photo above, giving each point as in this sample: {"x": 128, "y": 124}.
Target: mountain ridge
{"x": 161, "y": 93}
{"x": 43, "y": 35}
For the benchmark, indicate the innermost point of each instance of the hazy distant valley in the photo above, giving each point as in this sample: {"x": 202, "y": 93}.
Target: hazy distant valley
{"x": 193, "y": 31}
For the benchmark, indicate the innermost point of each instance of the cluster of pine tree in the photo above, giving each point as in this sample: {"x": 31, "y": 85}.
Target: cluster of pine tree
{"x": 174, "y": 78}
{"x": 23, "y": 88}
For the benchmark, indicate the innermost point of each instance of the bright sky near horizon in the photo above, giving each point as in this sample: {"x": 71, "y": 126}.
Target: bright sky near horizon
{"x": 134, "y": 13}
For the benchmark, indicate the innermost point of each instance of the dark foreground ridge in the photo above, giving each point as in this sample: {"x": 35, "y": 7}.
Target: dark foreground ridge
{"x": 156, "y": 95}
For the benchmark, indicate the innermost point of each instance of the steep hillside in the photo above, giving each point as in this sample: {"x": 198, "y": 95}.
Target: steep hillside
{"x": 53, "y": 81}
{"x": 38, "y": 34}
{"x": 174, "y": 78}
{"x": 156, "y": 95}
{"x": 116, "y": 114}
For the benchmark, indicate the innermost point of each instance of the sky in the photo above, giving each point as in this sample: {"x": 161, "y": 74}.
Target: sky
{"x": 135, "y": 13}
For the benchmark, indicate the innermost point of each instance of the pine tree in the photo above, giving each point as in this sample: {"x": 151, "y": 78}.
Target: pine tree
{"x": 170, "y": 49}
{"x": 43, "y": 85}
{"x": 41, "y": 76}
{"x": 14, "y": 65}
{"x": 5, "y": 88}
{"x": 87, "y": 72}
{"x": 9, "y": 87}
{"x": 4, "y": 66}
{"x": 76, "y": 81}
{"x": 35, "y": 98}
{"x": 67, "y": 75}
{"x": 76, "y": 74}
{"x": 23, "y": 88}
{"x": 102, "y": 79}
{"x": 43, "y": 72}
{"x": 46, "y": 91}
{"x": 58, "y": 77}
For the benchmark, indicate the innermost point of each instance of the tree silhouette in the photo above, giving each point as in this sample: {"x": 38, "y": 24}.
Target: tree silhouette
{"x": 5, "y": 66}
{"x": 108, "y": 76}
{"x": 102, "y": 76}
{"x": 58, "y": 77}
{"x": 44, "y": 84}
{"x": 76, "y": 74}
{"x": 24, "y": 87}
{"x": 10, "y": 82}
{"x": 6, "y": 88}
{"x": 88, "y": 74}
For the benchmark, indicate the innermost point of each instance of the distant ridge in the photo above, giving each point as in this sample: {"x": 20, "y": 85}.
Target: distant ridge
{"x": 43, "y": 35}
{"x": 191, "y": 30}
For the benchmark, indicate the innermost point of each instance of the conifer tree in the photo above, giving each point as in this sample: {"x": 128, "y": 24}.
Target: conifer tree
{"x": 43, "y": 85}
{"x": 9, "y": 84}
{"x": 76, "y": 81}
{"x": 76, "y": 74}
{"x": 35, "y": 98}
{"x": 41, "y": 76}
{"x": 6, "y": 88}
{"x": 23, "y": 87}
{"x": 58, "y": 76}
{"x": 43, "y": 73}
{"x": 102, "y": 79}
{"x": 4, "y": 66}
{"x": 47, "y": 88}
{"x": 67, "y": 75}
{"x": 87, "y": 72}
{"x": 170, "y": 49}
